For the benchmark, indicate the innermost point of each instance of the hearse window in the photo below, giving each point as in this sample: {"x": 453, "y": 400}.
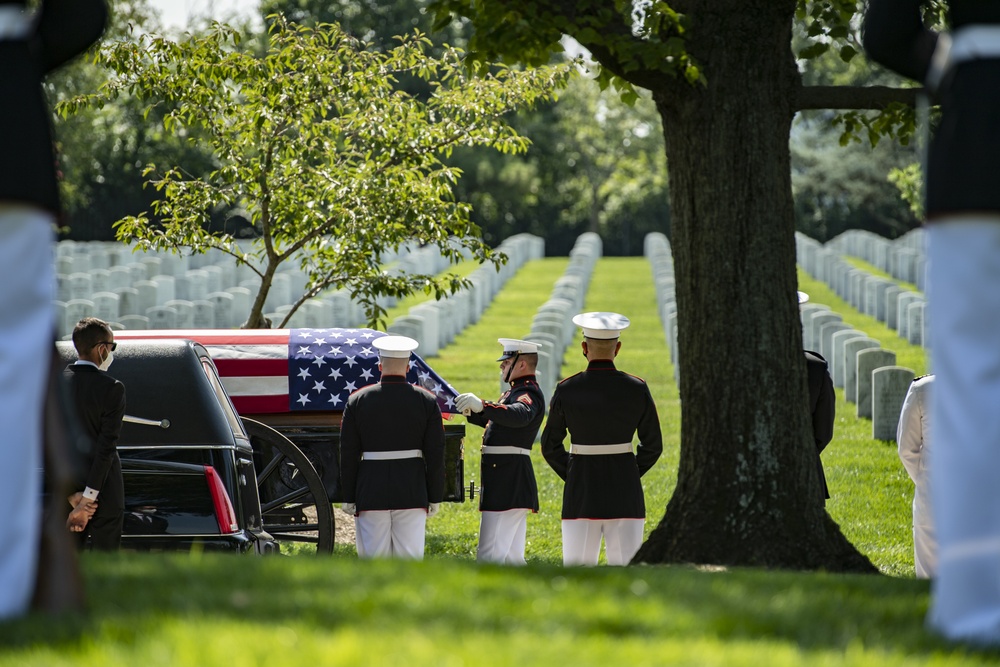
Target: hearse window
{"x": 227, "y": 405}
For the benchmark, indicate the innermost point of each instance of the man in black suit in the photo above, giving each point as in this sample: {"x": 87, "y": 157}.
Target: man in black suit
{"x": 32, "y": 44}
{"x": 822, "y": 407}
{"x": 100, "y": 404}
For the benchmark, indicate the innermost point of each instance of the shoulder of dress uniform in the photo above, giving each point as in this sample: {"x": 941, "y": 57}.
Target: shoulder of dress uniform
{"x": 570, "y": 377}
{"x": 634, "y": 377}
{"x": 923, "y": 377}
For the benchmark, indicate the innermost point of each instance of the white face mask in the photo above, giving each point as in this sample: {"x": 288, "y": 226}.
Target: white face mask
{"x": 107, "y": 361}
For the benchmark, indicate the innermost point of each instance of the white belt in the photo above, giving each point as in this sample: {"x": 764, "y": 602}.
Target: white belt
{"x": 971, "y": 42}
{"x": 14, "y": 22}
{"x": 505, "y": 449}
{"x": 392, "y": 456}
{"x": 620, "y": 448}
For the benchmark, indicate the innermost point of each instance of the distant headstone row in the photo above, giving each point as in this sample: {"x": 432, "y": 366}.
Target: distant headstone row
{"x": 656, "y": 249}
{"x": 159, "y": 290}
{"x": 902, "y": 310}
{"x": 867, "y": 373}
{"x": 434, "y": 324}
{"x": 552, "y": 325}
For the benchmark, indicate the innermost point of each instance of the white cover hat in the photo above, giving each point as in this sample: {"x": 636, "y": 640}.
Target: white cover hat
{"x": 394, "y": 347}
{"x": 601, "y": 325}
{"x": 803, "y": 297}
{"x": 512, "y": 346}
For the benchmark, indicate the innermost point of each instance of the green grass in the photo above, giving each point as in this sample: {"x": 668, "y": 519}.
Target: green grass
{"x": 207, "y": 609}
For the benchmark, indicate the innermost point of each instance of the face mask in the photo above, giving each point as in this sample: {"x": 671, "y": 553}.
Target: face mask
{"x": 107, "y": 361}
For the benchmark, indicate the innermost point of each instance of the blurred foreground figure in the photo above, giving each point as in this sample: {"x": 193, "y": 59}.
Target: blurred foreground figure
{"x": 961, "y": 70}
{"x": 31, "y": 45}
{"x": 913, "y": 440}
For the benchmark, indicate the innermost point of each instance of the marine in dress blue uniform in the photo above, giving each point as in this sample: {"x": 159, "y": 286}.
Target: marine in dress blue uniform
{"x": 509, "y": 490}
{"x": 392, "y": 458}
{"x": 32, "y": 44}
{"x": 602, "y": 408}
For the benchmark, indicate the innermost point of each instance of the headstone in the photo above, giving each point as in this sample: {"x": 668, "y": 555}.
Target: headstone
{"x": 891, "y": 305}
{"x": 868, "y": 361}
{"x": 185, "y": 312}
{"x": 837, "y": 366}
{"x": 915, "y": 323}
{"x": 826, "y": 337}
{"x": 851, "y": 350}
{"x": 134, "y": 322}
{"x": 162, "y": 317}
{"x": 204, "y": 315}
{"x": 106, "y": 306}
{"x": 223, "y": 302}
{"x": 889, "y": 387}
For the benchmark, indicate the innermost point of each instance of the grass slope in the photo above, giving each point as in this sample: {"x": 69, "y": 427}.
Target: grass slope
{"x": 207, "y": 609}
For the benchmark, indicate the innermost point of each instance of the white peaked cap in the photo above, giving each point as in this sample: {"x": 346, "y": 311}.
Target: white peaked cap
{"x": 512, "y": 346}
{"x": 803, "y": 297}
{"x": 395, "y": 347}
{"x": 601, "y": 325}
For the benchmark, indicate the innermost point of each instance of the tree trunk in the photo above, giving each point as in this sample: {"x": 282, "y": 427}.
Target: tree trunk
{"x": 748, "y": 490}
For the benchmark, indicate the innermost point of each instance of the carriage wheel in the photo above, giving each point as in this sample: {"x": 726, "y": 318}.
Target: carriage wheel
{"x": 293, "y": 500}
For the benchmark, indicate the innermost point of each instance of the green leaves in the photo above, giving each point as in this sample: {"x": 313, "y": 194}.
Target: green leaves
{"x": 314, "y": 137}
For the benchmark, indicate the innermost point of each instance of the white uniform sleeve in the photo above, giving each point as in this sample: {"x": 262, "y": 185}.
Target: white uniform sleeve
{"x": 910, "y": 433}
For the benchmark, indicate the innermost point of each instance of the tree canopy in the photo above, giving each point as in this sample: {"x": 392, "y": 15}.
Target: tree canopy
{"x": 335, "y": 165}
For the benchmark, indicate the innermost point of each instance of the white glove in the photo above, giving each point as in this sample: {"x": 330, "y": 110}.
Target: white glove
{"x": 468, "y": 403}
{"x": 349, "y": 508}
{"x": 432, "y": 509}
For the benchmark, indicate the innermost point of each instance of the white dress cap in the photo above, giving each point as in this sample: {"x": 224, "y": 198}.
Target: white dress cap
{"x": 803, "y": 297}
{"x": 395, "y": 347}
{"x": 512, "y": 346}
{"x": 602, "y": 326}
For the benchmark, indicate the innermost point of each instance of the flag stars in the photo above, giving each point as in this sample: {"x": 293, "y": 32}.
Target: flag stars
{"x": 335, "y": 351}
{"x": 350, "y": 386}
{"x": 368, "y": 334}
{"x": 319, "y": 361}
{"x": 319, "y": 386}
{"x": 350, "y": 362}
{"x": 303, "y": 399}
{"x": 367, "y": 374}
{"x": 335, "y": 373}
{"x": 335, "y": 399}
{"x": 367, "y": 351}
{"x": 304, "y": 373}
{"x": 351, "y": 341}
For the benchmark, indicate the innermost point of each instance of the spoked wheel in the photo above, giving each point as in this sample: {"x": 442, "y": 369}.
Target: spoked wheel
{"x": 293, "y": 500}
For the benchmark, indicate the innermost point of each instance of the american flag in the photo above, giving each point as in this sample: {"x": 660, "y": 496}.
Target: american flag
{"x": 292, "y": 370}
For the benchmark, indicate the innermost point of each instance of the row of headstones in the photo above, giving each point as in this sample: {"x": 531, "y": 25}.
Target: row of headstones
{"x": 867, "y": 373}
{"x": 434, "y": 324}
{"x": 656, "y": 249}
{"x": 552, "y": 325}
{"x": 902, "y": 310}
{"x": 159, "y": 288}
{"x": 904, "y": 258}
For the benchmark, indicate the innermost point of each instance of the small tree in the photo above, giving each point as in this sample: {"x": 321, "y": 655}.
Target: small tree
{"x": 334, "y": 163}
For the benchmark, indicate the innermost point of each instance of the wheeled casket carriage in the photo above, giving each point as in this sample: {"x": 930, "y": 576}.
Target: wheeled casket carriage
{"x": 282, "y": 393}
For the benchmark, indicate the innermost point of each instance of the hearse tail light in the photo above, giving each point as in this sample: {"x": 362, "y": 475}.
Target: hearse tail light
{"x": 224, "y": 512}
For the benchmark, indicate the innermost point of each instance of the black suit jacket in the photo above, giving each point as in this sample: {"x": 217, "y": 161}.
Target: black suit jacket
{"x": 62, "y": 30}
{"x": 822, "y": 407}
{"x": 100, "y": 404}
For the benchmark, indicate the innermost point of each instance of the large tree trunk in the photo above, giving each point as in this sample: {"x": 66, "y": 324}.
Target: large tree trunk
{"x": 748, "y": 488}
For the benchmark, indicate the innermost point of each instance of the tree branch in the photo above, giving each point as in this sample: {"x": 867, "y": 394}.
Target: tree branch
{"x": 875, "y": 98}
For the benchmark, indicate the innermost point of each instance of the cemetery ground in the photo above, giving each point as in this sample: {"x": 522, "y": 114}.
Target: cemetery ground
{"x": 208, "y": 609}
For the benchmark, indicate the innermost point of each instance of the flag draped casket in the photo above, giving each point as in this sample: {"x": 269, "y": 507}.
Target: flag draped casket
{"x": 298, "y": 381}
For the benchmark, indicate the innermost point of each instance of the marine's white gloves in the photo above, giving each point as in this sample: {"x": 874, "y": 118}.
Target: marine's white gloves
{"x": 469, "y": 403}
{"x": 432, "y": 509}
{"x": 349, "y": 508}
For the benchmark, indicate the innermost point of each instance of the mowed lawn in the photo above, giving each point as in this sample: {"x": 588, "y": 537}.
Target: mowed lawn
{"x": 206, "y": 609}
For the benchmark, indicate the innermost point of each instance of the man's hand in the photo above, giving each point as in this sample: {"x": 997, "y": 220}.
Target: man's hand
{"x": 432, "y": 509}
{"x": 349, "y": 508}
{"x": 468, "y": 403}
{"x": 81, "y": 514}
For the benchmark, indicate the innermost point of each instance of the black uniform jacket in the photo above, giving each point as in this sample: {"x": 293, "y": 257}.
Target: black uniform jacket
{"x": 822, "y": 407}
{"x": 509, "y": 479}
{"x": 392, "y": 415}
{"x": 962, "y": 166}
{"x": 100, "y": 405}
{"x": 62, "y": 30}
{"x": 602, "y": 406}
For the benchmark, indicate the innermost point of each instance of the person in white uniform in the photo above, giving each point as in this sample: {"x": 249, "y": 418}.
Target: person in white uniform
{"x": 602, "y": 408}
{"x": 509, "y": 490}
{"x": 392, "y": 458}
{"x": 31, "y": 46}
{"x": 913, "y": 439}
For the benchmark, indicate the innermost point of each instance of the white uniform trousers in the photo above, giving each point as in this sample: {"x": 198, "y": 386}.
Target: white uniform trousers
{"x": 963, "y": 289}
{"x": 924, "y": 550}
{"x": 26, "y": 329}
{"x": 582, "y": 540}
{"x": 391, "y": 533}
{"x": 501, "y": 537}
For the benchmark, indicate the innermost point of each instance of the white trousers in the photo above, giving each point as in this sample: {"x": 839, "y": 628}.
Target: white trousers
{"x": 501, "y": 537}
{"x": 391, "y": 533}
{"x": 963, "y": 289}
{"x": 26, "y": 329}
{"x": 582, "y": 540}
